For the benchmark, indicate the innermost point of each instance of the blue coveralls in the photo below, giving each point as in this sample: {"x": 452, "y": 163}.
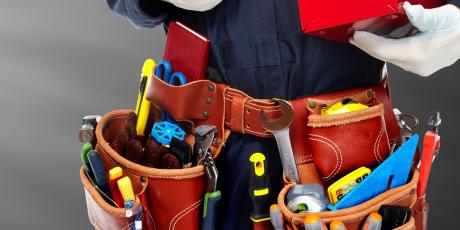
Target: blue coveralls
{"x": 258, "y": 47}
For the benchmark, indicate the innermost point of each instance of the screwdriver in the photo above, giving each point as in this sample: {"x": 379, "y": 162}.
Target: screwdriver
{"x": 276, "y": 217}
{"x": 337, "y": 225}
{"x": 314, "y": 222}
{"x": 85, "y": 148}
{"x": 259, "y": 188}
{"x": 373, "y": 222}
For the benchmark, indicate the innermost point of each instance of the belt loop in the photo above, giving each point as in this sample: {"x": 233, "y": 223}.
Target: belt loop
{"x": 238, "y": 114}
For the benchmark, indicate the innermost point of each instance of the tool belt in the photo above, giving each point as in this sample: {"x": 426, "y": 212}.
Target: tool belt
{"x": 171, "y": 198}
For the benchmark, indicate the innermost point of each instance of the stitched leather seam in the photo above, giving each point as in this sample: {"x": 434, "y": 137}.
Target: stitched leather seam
{"x": 233, "y": 94}
{"x": 180, "y": 217}
{"x": 336, "y": 157}
{"x": 250, "y": 131}
{"x": 339, "y": 162}
{"x": 248, "y": 105}
{"x": 377, "y": 155}
{"x": 135, "y": 172}
{"x": 303, "y": 159}
{"x": 341, "y": 122}
{"x": 185, "y": 210}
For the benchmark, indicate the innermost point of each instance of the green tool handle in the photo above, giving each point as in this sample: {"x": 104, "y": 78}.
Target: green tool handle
{"x": 210, "y": 210}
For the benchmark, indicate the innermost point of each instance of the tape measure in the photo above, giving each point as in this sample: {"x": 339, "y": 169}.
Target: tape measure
{"x": 344, "y": 106}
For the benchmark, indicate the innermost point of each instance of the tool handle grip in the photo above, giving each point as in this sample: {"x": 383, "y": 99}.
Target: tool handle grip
{"x": 260, "y": 194}
{"x": 211, "y": 206}
{"x": 429, "y": 146}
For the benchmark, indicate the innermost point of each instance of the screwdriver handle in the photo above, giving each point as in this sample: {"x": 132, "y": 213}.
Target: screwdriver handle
{"x": 210, "y": 210}
{"x": 373, "y": 222}
{"x": 259, "y": 188}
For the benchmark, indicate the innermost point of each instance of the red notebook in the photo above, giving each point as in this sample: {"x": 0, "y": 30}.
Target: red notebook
{"x": 187, "y": 51}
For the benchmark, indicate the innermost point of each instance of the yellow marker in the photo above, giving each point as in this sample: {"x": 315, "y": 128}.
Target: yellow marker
{"x": 143, "y": 105}
{"x": 126, "y": 188}
{"x": 115, "y": 173}
{"x": 344, "y": 106}
{"x": 344, "y": 185}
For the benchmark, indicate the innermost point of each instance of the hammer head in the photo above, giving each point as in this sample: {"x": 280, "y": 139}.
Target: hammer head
{"x": 88, "y": 125}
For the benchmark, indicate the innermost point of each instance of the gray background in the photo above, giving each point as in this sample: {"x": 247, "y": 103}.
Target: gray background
{"x": 60, "y": 60}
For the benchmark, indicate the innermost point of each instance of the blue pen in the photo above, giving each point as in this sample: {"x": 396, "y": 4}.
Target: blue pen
{"x": 97, "y": 166}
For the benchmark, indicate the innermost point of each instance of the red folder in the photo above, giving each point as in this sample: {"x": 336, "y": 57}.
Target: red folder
{"x": 187, "y": 51}
{"x": 338, "y": 19}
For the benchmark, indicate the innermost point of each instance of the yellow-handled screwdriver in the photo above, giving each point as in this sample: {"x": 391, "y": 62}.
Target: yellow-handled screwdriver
{"x": 143, "y": 105}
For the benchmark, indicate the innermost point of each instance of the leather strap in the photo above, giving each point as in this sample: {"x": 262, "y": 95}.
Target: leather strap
{"x": 251, "y": 115}
{"x": 237, "y": 120}
{"x": 205, "y": 102}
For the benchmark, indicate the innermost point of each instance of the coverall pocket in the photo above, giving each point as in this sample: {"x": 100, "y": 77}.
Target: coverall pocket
{"x": 173, "y": 196}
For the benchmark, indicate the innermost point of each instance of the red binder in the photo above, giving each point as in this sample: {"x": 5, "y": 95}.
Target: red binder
{"x": 187, "y": 51}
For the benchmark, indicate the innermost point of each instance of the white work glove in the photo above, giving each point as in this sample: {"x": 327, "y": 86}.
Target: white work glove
{"x": 435, "y": 47}
{"x": 195, "y": 5}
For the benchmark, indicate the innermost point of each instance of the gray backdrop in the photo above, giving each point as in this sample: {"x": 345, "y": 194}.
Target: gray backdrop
{"x": 60, "y": 60}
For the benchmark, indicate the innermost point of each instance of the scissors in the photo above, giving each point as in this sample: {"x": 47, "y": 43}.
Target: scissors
{"x": 165, "y": 72}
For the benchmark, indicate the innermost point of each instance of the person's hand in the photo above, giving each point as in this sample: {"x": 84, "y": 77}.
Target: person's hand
{"x": 195, "y": 5}
{"x": 435, "y": 47}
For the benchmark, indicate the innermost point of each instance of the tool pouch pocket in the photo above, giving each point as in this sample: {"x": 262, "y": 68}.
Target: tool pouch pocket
{"x": 104, "y": 215}
{"x": 342, "y": 142}
{"x": 172, "y": 196}
{"x": 354, "y": 217}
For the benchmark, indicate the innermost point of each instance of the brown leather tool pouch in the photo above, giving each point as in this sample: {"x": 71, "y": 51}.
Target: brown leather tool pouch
{"x": 343, "y": 142}
{"x": 173, "y": 197}
{"x": 354, "y": 217}
{"x": 341, "y": 130}
{"x": 103, "y": 215}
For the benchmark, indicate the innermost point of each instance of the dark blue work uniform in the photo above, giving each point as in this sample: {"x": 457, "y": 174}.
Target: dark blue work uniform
{"x": 258, "y": 47}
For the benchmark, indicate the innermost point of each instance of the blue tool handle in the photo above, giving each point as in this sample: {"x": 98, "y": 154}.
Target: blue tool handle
{"x": 211, "y": 207}
{"x": 97, "y": 166}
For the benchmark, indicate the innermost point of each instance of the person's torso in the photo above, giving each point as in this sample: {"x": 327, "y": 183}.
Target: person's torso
{"x": 260, "y": 49}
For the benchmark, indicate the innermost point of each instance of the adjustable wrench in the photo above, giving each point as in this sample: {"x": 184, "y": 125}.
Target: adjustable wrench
{"x": 279, "y": 127}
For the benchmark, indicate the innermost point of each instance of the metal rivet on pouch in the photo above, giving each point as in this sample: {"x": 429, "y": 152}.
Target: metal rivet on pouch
{"x": 143, "y": 179}
{"x": 296, "y": 222}
{"x": 412, "y": 191}
{"x": 211, "y": 87}
{"x": 208, "y": 100}
{"x": 205, "y": 114}
{"x": 370, "y": 94}
{"x": 312, "y": 105}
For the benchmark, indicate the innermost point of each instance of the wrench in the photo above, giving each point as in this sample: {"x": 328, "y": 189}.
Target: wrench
{"x": 279, "y": 127}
